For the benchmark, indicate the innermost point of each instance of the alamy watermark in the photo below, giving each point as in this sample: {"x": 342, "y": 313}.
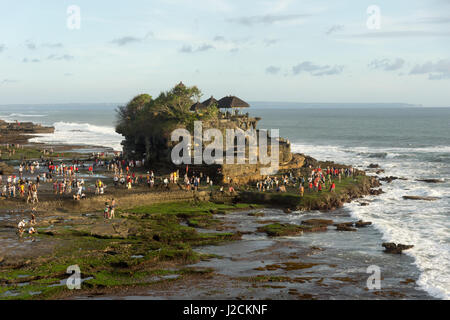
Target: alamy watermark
{"x": 374, "y": 20}
{"x": 241, "y": 147}
{"x": 73, "y": 17}
{"x": 374, "y": 280}
{"x": 74, "y": 281}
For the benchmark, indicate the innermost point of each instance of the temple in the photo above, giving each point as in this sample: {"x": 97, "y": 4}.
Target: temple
{"x": 156, "y": 148}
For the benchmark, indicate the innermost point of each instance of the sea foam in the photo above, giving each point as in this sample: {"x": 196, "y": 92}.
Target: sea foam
{"x": 82, "y": 134}
{"x": 424, "y": 224}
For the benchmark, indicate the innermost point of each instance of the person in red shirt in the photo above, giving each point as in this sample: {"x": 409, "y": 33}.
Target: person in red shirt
{"x": 333, "y": 187}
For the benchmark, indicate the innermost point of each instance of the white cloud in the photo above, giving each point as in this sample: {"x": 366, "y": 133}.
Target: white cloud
{"x": 436, "y": 70}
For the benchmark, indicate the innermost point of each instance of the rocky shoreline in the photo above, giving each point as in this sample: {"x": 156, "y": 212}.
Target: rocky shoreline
{"x": 20, "y": 132}
{"x": 155, "y": 236}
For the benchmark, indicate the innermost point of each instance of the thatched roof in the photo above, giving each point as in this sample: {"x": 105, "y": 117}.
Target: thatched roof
{"x": 197, "y": 107}
{"x": 210, "y": 102}
{"x": 232, "y": 102}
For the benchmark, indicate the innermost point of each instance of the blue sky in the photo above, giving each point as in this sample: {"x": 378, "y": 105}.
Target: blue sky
{"x": 266, "y": 50}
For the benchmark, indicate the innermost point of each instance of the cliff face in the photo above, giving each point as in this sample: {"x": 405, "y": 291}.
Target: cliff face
{"x": 157, "y": 152}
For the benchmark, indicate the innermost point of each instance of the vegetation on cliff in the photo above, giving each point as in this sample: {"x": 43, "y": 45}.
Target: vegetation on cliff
{"x": 145, "y": 116}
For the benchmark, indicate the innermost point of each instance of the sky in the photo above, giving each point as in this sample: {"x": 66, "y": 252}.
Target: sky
{"x": 84, "y": 51}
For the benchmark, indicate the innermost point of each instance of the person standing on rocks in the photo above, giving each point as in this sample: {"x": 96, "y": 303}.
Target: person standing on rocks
{"x": 112, "y": 209}
{"x": 302, "y": 190}
{"x": 33, "y": 217}
{"x": 106, "y": 211}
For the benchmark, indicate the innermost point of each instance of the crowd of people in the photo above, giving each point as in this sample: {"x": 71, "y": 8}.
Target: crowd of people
{"x": 19, "y": 187}
{"x": 318, "y": 180}
{"x": 68, "y": 178}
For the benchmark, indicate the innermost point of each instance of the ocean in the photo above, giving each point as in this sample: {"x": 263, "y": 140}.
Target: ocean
{"x": 407, "y": 142}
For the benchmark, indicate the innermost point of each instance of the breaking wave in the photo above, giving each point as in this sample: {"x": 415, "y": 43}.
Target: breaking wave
{"x": 82, "y": 134}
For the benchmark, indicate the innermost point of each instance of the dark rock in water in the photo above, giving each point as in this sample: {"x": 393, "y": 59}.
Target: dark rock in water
{"x": 376, "y": 192}
{"x": 380, "y": 171}
{"x": 364, "y": 204}
{"x": 431, "y": 180}
{"x": 287, "y": 210}
{"x": 374, "y": 165}
{"x": 389, "y": 179}
{"x": 362, "y": 224}
{"x": 344, "y": 227}
{"x": 390, "y": 247}
{"x": 420, "y": 198}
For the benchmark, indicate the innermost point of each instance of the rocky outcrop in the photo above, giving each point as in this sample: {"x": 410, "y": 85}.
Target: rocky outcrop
{"x": 349, "y": 226}
{"x": 362, "y": 224}
{"x": 388, "y": 179}
{"x": 344, "y": 227}
{"x": 23, "y": 127}
{"x": 390, "y": 247}
{"x": 20, "y": 132}
{"x": 376, "y": 192}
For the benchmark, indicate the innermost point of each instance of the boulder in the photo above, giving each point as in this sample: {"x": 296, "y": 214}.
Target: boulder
{"x": 376, "y": 192}
{"x": 364, "y": 204}
{"x": 362, "y": 224}
{"x": 344, "y": 227}
{"x": 373, "y": 166}
{"x": 390, "y": 247}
